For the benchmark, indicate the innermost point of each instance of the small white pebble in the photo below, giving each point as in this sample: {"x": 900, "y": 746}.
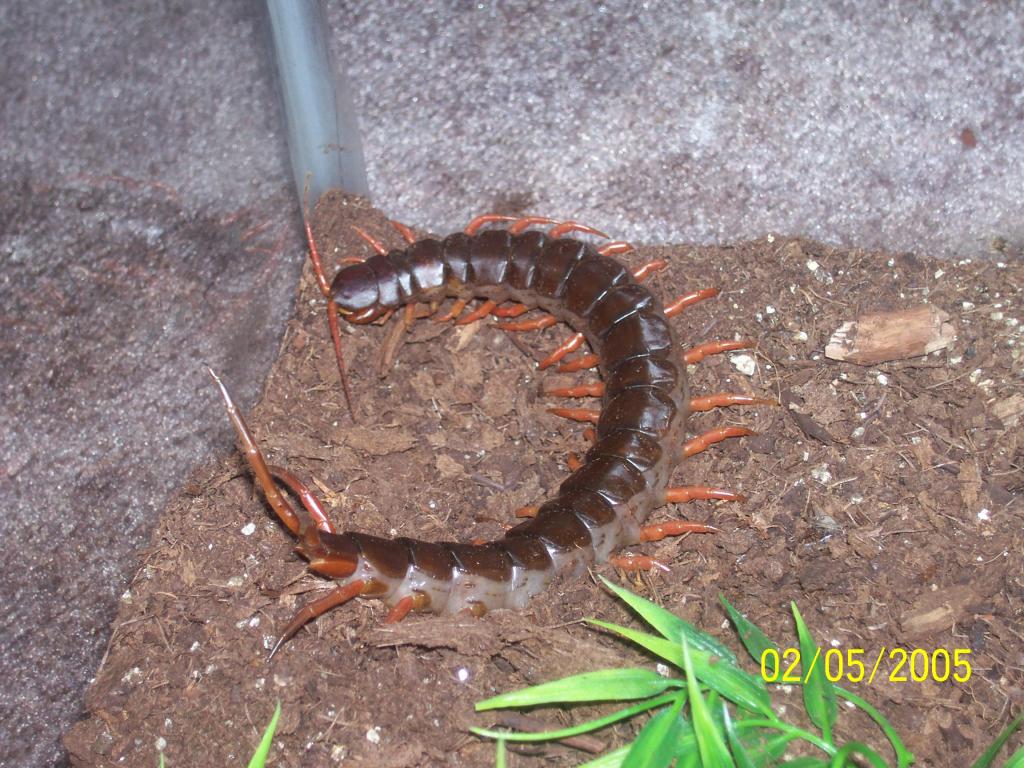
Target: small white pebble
{"x": 662, "y": 670}
{"x": 800, "y": 335}
{"x": 249, "y": 529}
{"x": 968, "y": 305}
{"x": 462, "y": 674}
{"x": 373, "y": 735}
{"x": 822, "y": 474}
{"x": 160, "y": 744}
{"x": 769, "y": 310}
{"x": 813, "y": 266}
{"x": 236, "y": 581}
{"x": 744, "y": 363}
{"x": 770, "y": 238}
{"x": 882, "y": 379}
{"x": 834, "y": 642}
{"x": 996, "y": 316}
{"x": 857, "y": 433}
{"x": 939, "y": 273}
{"x": 984, "y": 514}
{"x": 260, "y": 682}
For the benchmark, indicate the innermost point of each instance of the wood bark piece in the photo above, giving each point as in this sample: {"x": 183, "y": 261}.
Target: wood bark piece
{"x": 884, "y": 336}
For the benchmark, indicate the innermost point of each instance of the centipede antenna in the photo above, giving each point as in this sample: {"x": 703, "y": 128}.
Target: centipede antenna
{"x": 332, "y": 307}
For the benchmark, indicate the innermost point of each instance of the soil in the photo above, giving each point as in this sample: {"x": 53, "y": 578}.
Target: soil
{"x": 884, "y": 500}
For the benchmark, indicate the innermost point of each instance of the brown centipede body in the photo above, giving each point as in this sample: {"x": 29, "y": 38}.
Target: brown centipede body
{"x": 638, "y": 435}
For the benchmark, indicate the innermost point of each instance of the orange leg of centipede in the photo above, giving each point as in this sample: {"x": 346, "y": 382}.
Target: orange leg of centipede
{"x": 311, "y": 610}
{"x": 703, "y": 442}
{"x": 417, "y": 601}
{"x": 638, "y": 563}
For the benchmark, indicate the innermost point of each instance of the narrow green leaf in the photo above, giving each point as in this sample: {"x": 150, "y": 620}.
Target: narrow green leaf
{"x": 713, "y": 752}
{"x": 842, "y": 758}
{"x": 611, "y": 759}
{"x": 601, "y": 685}
{"x": 739, "y": 752}
{"x": 500, "y": 759}
{"x": 654, "y": 744}
{"x": 161, "y": 760}
{"x": 806, "y": 762}
{"x": 769, "y": 751}
{"x": 819, "y": 695}
{"x": 904, "y": 757}
{"x": 671, "y": 626}
{"x": 259, "y": 757}
{"x": 989, "y": 754}
{"x": 732, "y": 682}
{"x": 1016, "y": 759}
{"x": 576, "y": 730}
{"x": 754, "y": 640}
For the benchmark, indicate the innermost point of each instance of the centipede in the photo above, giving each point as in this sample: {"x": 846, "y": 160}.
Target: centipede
{"x": 638, "y": 435}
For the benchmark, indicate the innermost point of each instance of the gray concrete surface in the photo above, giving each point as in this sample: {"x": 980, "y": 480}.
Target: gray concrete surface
{"x": 147, "y": 222}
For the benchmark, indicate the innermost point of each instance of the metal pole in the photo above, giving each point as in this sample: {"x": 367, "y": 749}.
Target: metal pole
{"x": 323, "y": 133}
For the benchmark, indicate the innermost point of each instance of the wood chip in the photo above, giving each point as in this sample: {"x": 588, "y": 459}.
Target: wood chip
{"x": 884, "y": 336}
{"x": 1009, "y": 409}
{"x": 937, "y": 612}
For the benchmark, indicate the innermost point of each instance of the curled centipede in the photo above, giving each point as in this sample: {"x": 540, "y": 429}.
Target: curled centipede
{"x": 638, "y": 434}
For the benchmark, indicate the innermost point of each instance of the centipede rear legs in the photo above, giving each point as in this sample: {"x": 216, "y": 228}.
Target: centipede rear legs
{"x": 308, "y": 526}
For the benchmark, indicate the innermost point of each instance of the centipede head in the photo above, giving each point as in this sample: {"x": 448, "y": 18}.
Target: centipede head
{"x": 356, "y": 295}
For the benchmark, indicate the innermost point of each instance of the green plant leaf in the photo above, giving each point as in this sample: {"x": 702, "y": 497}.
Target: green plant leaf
{"x": 819, "y": 695}
{"x": 602, "y": 685}
{"x": 754, "y": 640}
{"x": 161, "y": 760}
{"x": 576, "y": 730}
{"x": 500, "y": 759}
{"x": 671, "y": 626}
{"x": 989, "y": 754}
{"x": 904, "y": 757}
{"x": 739, "y": 752}
{"x": 611, "y": 759}
{"x": 730, "y": 681}
{"x": 713, "y": 752}
{"x": 654, "y": 745}
{"x": 259, "y": 757}
{"x": 842, "y": 758}
{"x": 1016, "y": 759}
{"x": 806, "y": 762}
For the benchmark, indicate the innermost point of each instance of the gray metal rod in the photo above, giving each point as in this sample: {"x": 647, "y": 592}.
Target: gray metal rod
{"x": 323, "y": 133}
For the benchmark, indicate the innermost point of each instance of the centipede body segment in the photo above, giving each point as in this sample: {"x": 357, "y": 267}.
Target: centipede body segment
{"x": 638, "y": 438}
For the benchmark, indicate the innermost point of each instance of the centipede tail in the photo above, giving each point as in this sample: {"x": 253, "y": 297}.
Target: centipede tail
{"x": 638, "y": 435}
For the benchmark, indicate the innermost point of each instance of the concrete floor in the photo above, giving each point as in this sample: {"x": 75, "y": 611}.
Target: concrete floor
{"x": 148, "y": 225}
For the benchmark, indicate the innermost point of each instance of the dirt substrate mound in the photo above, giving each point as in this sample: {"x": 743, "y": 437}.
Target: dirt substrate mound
{"x": 885, "y": 500}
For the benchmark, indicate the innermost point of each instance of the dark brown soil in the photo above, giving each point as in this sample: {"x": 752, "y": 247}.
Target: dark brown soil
{"x": 876, "y": 496}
